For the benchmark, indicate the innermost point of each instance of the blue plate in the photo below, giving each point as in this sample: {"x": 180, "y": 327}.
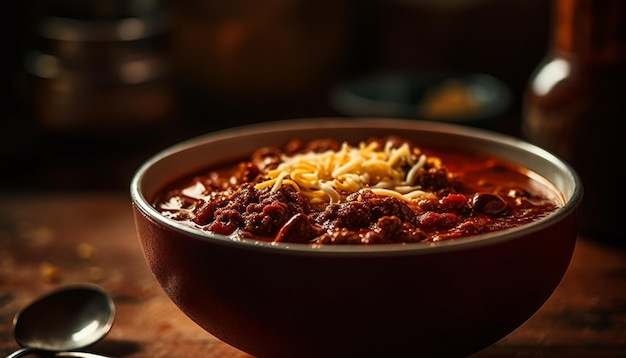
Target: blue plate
{"x": 464, "y": 98}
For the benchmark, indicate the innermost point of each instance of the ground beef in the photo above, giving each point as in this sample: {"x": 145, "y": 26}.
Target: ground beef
{"x": 481, "y": 196}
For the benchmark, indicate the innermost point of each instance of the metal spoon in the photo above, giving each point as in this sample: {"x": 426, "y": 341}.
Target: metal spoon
{"x": 64, "y": 320}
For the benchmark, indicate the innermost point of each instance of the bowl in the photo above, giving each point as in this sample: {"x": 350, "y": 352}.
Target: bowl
{"x": 448, "y": 298}
{"x": 468, "y": 98}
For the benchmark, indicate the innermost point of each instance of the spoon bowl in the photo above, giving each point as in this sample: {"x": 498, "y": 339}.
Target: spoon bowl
{"x": 65, "y": 319}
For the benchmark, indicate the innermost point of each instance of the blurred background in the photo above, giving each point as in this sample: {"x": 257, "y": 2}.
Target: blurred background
{"x": 93, "y": 87}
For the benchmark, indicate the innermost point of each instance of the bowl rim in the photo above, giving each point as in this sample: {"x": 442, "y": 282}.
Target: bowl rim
{"x": 140, "y": 202}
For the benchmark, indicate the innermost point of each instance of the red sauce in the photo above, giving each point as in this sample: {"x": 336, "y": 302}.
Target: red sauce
{"x": 474, "y": 194}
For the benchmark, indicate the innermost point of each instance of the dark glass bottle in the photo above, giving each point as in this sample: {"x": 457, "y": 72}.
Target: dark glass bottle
{"x": 575, "y": 106}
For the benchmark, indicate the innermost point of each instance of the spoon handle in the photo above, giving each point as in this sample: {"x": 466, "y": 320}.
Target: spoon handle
{"x": 76, "y": 354}
{"x": 70, "y": 354}
{"x": 22, "y": 352}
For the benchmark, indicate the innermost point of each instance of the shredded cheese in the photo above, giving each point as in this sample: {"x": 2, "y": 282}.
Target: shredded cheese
{"x": 331, "y": 176}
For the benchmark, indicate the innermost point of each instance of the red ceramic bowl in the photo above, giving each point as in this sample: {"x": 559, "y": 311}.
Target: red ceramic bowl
{"x": 291, "y": 300}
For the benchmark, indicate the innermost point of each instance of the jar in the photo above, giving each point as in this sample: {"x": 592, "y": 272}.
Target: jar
{"x": 96, "y": 67}
{"x": 249, "y": 56}
{"x": 574, "y": 105}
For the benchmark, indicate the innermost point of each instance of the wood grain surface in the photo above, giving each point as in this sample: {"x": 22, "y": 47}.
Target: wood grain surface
{"x": 56, "y": 239}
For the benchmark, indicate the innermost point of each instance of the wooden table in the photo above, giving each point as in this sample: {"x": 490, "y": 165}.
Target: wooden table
{"x": 56, "y": 239}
